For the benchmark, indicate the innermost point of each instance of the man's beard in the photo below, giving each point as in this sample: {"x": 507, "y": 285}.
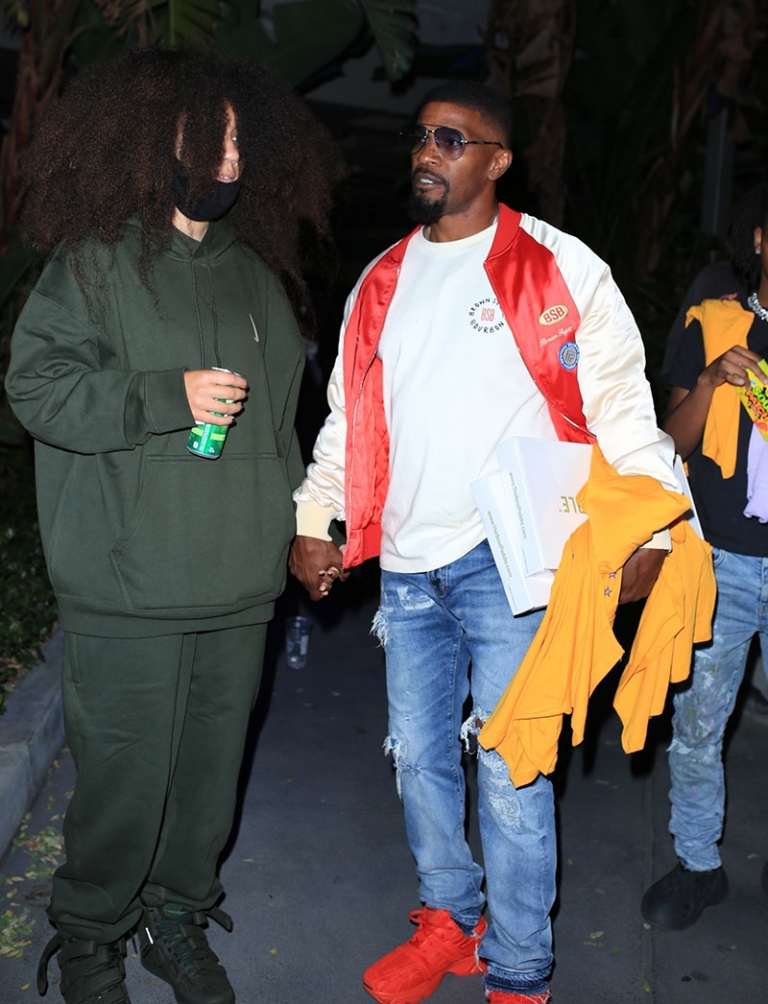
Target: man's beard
{"x": 424, "y": 210}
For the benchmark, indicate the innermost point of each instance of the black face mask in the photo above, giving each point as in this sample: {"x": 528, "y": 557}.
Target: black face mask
{"x": 211, "y": 207}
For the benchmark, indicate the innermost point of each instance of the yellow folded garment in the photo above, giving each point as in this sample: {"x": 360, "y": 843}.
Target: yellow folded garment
{"x": 677, "y": 615}
{"x": 575, "y": 646}
{"x": 724, "y": 323}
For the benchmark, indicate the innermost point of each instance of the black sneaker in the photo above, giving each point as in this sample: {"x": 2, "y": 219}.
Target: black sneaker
{"x": 90, "y": 973}
{"x": 174, "y": 948}
{"x": 677, "y": 900}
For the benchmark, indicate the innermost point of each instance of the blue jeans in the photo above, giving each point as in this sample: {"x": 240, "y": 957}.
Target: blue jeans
{"x": 702, "y": 710}
{"x": 432, "y": 625}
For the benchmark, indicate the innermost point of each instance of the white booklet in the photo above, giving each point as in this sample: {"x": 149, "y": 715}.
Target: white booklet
{"x": 495, "y": 500}
{"x": 545, "y": 477}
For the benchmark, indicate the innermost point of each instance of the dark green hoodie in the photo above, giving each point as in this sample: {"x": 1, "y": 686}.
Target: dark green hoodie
{"x": 140, "y": 536}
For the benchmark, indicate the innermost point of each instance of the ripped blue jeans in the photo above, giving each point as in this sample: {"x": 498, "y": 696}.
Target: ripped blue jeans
{"x": 703, "y": 708}
{"x": 432, "y": 626}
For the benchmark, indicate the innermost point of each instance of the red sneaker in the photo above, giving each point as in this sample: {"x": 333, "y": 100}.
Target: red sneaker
{"x": 506, "y": 997}
{"x": 413, "y": 971}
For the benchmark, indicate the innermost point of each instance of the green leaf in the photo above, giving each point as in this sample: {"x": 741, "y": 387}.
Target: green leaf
{"x": 15, "y": 12}
{"x": 393, "y": 24}
{"x": 308, "y": 35}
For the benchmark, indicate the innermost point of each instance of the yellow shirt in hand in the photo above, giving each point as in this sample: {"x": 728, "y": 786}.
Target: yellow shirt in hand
{"x": 575, "y": 647}
{"x": 724, "y": 323}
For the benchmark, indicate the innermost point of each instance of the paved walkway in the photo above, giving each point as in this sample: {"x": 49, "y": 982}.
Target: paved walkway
{"x": 320, "y": 879}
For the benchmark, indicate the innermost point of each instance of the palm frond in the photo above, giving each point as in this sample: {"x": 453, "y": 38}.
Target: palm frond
{"x": 162, "y": 21}
{"x": 393, "y": 24}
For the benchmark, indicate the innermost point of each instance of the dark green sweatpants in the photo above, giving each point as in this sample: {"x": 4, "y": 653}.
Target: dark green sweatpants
{"x": 157, "y": 728}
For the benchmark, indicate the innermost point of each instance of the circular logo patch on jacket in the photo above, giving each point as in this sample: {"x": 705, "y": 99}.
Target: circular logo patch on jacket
{"x": 569, "y": 355}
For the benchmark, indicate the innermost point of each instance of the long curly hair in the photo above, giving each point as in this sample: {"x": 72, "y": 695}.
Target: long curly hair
{"x": 106, "y": 150}
{"x": 749, "y": 213}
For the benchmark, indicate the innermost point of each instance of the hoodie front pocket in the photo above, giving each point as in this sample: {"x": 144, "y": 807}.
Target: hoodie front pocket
{"x": 206, "y": 535}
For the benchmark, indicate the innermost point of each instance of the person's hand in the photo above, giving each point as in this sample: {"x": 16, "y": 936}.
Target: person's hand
{"x": 731, "y": 367}
{"x": 317, "y": 564}
{"x": 215, "y": 397}
{"x": 641, "y": 569}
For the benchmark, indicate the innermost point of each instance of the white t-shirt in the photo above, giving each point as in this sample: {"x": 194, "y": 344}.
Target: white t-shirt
{"x": 455, "y": 386}
{"x": 461, "y": 387}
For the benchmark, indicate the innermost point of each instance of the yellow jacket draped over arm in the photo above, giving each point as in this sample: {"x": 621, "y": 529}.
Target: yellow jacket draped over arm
{"x": 575, "y": 647}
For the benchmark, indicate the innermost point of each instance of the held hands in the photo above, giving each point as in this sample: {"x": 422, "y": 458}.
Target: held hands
{"x": 641, "y": 569}
{"x": 317, "y": 564}
{"x": 211, "y": 391}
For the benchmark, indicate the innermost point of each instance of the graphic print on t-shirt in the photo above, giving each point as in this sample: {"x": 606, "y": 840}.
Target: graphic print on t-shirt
{"x": 486, "y": 315}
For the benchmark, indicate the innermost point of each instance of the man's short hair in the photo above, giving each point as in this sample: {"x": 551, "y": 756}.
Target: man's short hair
{"x": 478, "y": 97}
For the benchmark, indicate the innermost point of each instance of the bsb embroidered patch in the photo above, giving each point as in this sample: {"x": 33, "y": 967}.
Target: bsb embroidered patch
{"x": 553, "y": 314}
{"x": 569, "y": 355}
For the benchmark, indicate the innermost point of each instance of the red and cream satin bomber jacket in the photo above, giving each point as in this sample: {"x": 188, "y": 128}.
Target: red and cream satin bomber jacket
{"x": 564, "y": 310}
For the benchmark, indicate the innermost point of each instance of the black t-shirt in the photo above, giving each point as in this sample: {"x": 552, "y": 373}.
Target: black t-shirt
{"x": 720, "y": 502}
{"x": 715, "y": 282}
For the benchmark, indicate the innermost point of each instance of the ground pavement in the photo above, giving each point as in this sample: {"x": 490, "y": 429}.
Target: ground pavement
{"x": 319, "y": 875}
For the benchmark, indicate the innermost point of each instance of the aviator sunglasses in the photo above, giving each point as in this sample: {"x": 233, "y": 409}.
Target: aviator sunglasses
{"x": 448, "y": 141}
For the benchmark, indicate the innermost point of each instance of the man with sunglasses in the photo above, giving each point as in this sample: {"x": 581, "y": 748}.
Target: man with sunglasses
{"x": 465, "y": 333}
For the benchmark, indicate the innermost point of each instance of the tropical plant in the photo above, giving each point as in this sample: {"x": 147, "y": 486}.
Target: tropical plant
{"x": 313, "y": 36}
{"x": 637, "y": 97}
{"x": 633, "y": 79}
{"x": 309, "y": 35}
{"x": 60, "y": 35}
{"x": 529, "y": 46}
{"x": 46, "y": 39}
{"x": 644, "y": 82}
{"x": 612, "y": 100}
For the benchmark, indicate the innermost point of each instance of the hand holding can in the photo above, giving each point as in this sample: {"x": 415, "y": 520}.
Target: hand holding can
{"x": 206, "y": 438}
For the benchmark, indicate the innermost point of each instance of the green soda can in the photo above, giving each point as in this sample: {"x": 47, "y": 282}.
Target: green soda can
{"x": 207, "y": 440}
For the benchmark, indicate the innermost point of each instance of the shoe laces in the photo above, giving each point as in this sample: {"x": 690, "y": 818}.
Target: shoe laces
{"x": 429, "y": 922}
{"x": 183, "y": 936}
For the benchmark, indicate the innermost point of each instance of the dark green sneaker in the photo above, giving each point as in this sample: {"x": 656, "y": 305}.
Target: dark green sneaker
{"x": 90, "y": 973}
{"x": 175, "y": 949}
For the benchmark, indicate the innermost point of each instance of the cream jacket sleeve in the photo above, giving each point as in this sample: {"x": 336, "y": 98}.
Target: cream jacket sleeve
{"x": 617, "y": 401}
{"x": 320, "y": 497}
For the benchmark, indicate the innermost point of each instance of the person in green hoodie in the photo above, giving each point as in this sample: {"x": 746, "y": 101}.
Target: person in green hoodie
{"x": 172, "y": 194}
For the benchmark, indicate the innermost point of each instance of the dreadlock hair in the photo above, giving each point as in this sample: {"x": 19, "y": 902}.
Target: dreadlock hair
{"x": 106, "y": 151}
{"x": 748, "y": 214}
{"x": 471, "y": 94}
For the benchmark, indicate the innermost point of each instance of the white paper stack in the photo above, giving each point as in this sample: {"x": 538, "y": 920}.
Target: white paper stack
{"x": 495, "y": 502}
{"x": 545, "y": 477}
